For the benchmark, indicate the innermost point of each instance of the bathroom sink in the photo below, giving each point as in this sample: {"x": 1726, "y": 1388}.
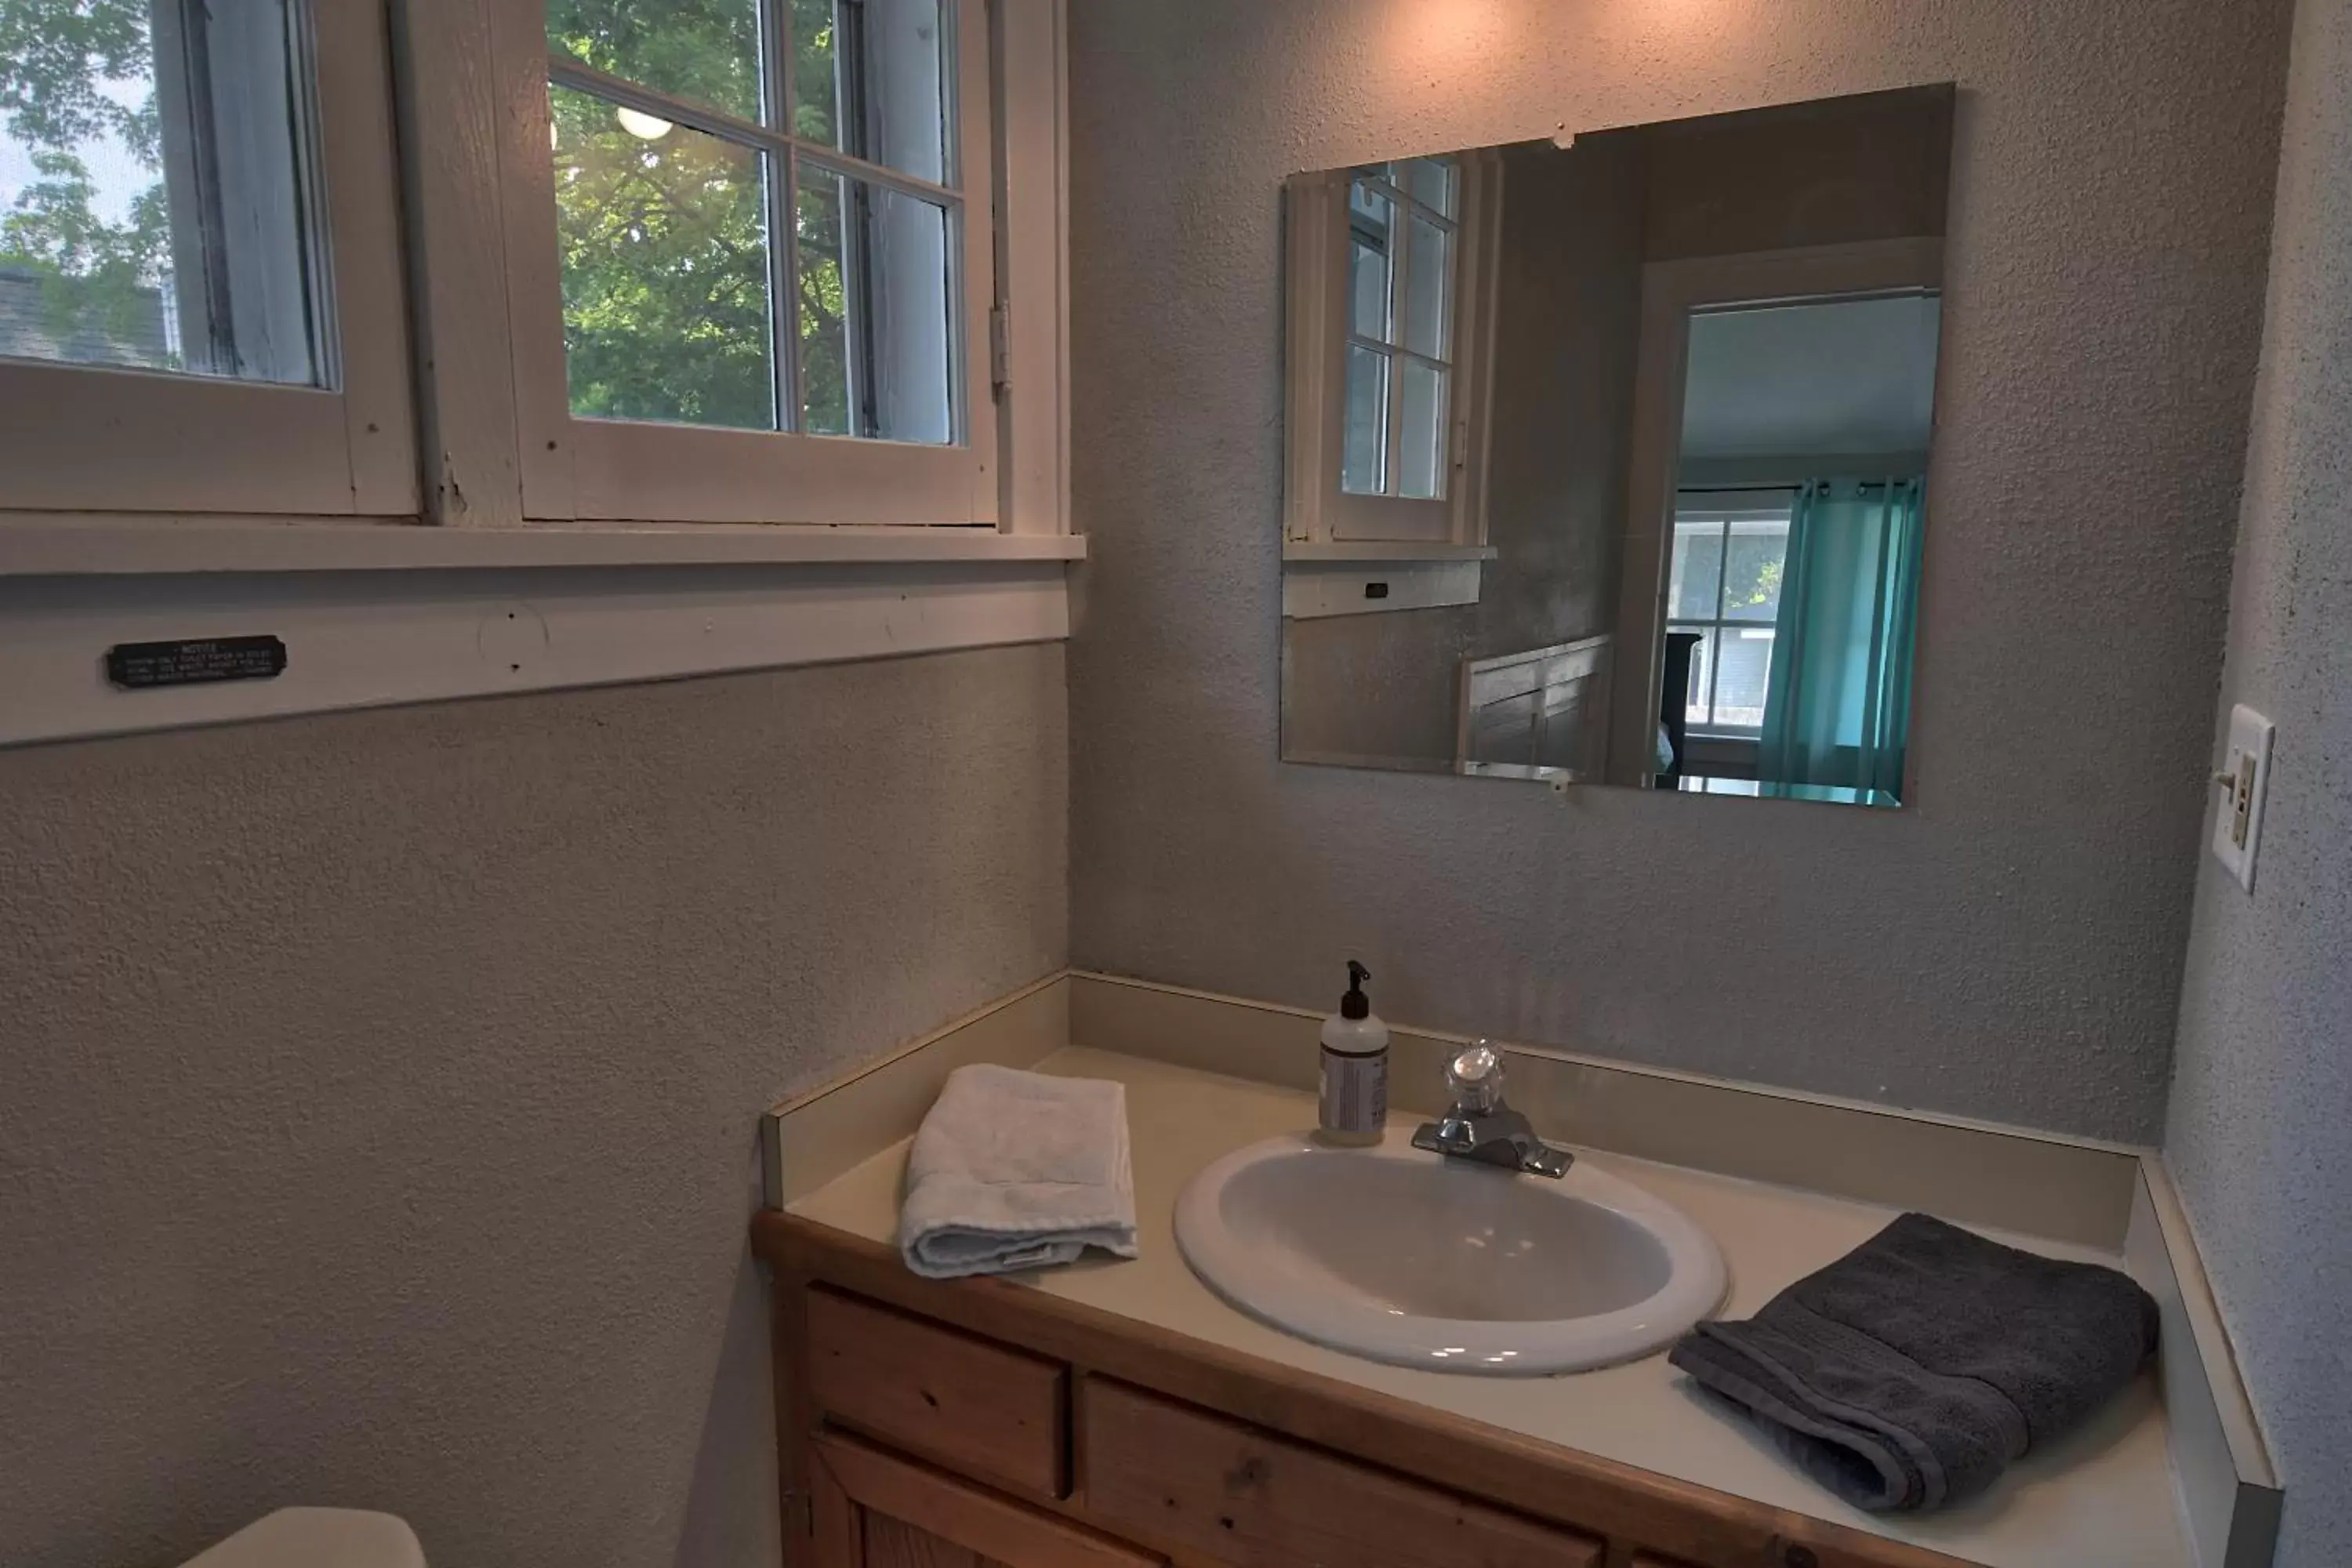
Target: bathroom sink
{"x": 1408, "y": 1258}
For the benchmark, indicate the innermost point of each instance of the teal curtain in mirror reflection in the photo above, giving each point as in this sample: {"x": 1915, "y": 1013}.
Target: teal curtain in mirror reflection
{"x": 1837, "y": 716}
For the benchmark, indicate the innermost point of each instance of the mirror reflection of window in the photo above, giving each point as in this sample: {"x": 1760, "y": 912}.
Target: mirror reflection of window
{"x": 1401, "y": 284}
{"x": 1730, "y": 550}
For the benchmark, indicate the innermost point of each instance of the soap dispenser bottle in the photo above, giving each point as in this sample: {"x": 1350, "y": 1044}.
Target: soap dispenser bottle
{"x": 1355, "y": 1068}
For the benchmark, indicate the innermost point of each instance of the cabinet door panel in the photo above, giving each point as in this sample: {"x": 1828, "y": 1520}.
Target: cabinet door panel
{"x": 894, "y": 1543}
{"x": 873, "y": 1510}
{"x": 1228, "y": 1492}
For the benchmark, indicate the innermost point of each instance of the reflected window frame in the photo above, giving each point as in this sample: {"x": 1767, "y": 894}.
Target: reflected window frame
{"x": 1343, "y": 486}
{"x": 1763, "y": 510}
{"x": 1390, "y": 206}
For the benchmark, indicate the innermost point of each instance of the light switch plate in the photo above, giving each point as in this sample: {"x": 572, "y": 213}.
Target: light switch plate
{"x": 2242, "y": 780}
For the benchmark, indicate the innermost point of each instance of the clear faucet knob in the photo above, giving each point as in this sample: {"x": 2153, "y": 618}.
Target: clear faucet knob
{"x": 1474, "y": 1078}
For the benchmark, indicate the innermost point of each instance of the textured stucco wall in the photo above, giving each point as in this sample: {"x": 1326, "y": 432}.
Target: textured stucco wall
{"x": 377, "y": 1091}
{"x": 2010, "y": 946}
{"x": 2261, "y": 1128}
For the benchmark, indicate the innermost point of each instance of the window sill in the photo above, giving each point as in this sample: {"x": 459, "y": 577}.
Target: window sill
{"x": 382, "y": 614}
{"x": 52, "y": 544}
{"x": 1344, "y": 551}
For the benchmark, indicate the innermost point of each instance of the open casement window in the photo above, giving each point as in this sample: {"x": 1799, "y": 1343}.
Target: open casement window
{"x": 201, "y": 297}
{"x": 1390, "y": 295}
{"x": 749, "y": 260}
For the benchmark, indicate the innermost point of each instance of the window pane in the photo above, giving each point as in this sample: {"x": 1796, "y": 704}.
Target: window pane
{"x": 1751, "y": 571}
{"x": 1362, "y": 468}
{"x": 1430, "y": 182}
{"x": 154, "y": 209}
{"x": 1421, "y": 462}
{"x": 1747, "y": 656}
{"x": 1428, "y": 312}
{"x": 1695, "y": 570}
{"x": 706, "y": 51}
{"x": 877, "y": 316}
{"x": 1369, "y": 269}
{"x": 1702, "y": 674}
{"x": 664, "y": 245}
{"x": 870, "y": 78}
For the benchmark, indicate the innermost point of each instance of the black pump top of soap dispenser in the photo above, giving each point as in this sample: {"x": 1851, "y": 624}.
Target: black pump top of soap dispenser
{"x": 1355, "y": 1004}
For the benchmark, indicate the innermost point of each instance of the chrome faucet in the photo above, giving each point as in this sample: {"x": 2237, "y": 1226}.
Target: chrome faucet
{"x": 1481, "y": 1127}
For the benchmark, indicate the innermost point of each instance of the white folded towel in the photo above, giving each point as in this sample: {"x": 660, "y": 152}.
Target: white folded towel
{"x": 1017, "y": 1170}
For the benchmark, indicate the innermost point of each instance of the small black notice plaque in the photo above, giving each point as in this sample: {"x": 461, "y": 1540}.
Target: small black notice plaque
{"x": 134, "y": 665}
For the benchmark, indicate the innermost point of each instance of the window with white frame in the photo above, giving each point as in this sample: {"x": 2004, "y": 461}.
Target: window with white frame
{"x": 756, "y": 207}
{"x": 199, "y": 252}
{"x": 159, "y": 168}
{"x": 659, "y": 262}
{"x": 1389, "y": 294}
{"x": 1724, "y": 584}
{"x": 768, "y": 228}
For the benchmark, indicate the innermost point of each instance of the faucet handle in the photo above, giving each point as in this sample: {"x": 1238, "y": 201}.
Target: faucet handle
{"x": 1474, "y": 1080}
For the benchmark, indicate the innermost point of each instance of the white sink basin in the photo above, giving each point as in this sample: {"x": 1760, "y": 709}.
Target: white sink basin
{"x": 1405, "y": 1256}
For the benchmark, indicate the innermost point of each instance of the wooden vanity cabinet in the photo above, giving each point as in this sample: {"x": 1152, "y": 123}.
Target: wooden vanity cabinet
{"x": 924, "y": 1424}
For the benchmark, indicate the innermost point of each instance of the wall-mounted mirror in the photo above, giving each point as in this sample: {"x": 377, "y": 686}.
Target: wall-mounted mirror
{"x": 1606, "y": 461}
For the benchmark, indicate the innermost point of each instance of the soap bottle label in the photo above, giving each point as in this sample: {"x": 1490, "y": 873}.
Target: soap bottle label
{"x": 1355, "y": 1092}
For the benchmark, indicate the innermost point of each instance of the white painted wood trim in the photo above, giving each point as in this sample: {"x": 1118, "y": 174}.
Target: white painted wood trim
{"x": 690, "y": 473}
{"x": 368, "y": 639}
{"x": 810, "y": 1139}
{"x": 76, "y": 545}
{"x": 82, "y": 436}
{"x": 453, "y": 105}
{"x": 369, "y": 251}
{"x": 1032, "y": 243}
{"x": 1313, "y": 590}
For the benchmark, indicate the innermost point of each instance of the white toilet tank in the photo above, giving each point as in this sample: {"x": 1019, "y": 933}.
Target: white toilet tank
{"x": 317, "y": 1538}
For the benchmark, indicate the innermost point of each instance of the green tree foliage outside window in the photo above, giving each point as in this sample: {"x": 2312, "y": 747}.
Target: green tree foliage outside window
{"x": 102, "y": 283}
{"x": 663, "y": 240}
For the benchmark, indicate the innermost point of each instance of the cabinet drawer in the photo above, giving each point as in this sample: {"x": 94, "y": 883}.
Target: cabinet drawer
{"x": 984, "y": 1408}
{"x": 1215, "y": 1487}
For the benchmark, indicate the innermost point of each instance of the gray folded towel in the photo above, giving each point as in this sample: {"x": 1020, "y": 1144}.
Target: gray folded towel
{"x": 1909, "y": 1373}
{"x": 1017, "y": 1170}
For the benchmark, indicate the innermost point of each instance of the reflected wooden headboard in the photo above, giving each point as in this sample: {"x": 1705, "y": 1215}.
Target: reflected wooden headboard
{"x": 1543, "y": 708}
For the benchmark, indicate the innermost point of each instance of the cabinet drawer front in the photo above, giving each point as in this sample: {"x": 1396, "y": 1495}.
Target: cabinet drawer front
{"x": 1228, "y": 1491}
{"x": 996, "y": 1413}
